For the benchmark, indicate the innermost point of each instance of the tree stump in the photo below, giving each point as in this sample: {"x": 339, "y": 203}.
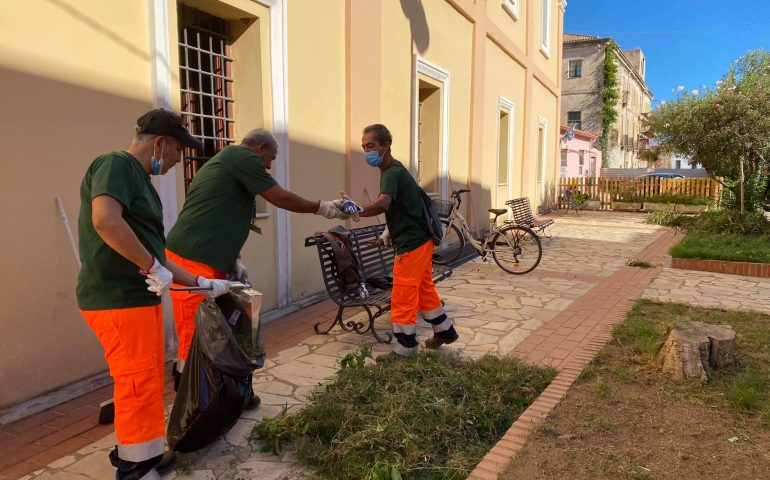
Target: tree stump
{"x": 693, "y": 348}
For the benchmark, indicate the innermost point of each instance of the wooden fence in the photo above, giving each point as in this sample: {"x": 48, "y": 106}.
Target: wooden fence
{"x": 608, "y": 189}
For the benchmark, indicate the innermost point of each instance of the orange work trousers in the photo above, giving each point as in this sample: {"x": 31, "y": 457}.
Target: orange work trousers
{"x": 186, "y": 303}
{"x": 413, "y": 290}
{"x": 132, "y": 339}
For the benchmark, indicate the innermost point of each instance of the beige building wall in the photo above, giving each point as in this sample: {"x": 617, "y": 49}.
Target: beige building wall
{"x": 69, "y": 94}
{"x": 316, "y": 126}
{"x": 85, "y": 72}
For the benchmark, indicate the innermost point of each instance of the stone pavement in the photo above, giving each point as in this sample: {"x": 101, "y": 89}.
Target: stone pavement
{"x": 552, "y": 315}
{"x": 711, "y": 290}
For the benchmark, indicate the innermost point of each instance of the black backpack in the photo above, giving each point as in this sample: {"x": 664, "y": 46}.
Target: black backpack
{"x": 350, "y": 275}
{"x": 431, "y": 218}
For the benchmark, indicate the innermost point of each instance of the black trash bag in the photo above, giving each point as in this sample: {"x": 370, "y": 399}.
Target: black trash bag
{"x": 216, "y": 381}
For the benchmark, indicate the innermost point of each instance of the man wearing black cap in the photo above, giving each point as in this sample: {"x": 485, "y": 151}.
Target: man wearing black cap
{"x": 215, "y": 221}
{"x": 122, "y": 279}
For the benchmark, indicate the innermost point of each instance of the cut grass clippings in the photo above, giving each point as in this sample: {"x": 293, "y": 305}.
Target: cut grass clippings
{"x": 431, "y": 416}
{"x": 728, "y": 247}
{"x": 624, "y": 419}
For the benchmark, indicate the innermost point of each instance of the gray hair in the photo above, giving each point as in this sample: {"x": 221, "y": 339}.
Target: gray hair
{"x": 260, "y": 136}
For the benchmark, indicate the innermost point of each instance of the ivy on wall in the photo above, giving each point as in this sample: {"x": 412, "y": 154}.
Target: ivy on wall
{"x": 610, "y": 97}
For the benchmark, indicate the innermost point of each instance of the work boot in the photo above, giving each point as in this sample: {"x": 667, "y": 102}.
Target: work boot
{"x": 127, "y": 470}
{"x": 167, "y": 463}
{"x": 253, "y": 402}
{"x": 435, "y": 341}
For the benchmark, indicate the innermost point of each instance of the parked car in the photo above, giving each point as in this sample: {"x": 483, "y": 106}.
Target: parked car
{"x": 662, "y": 175}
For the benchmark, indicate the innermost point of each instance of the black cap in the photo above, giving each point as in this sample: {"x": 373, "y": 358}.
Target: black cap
{"x": 164, "y": 122}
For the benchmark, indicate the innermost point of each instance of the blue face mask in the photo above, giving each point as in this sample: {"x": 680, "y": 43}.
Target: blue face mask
{"x": 373, "y": 158}
{"x": 156, "y": 163}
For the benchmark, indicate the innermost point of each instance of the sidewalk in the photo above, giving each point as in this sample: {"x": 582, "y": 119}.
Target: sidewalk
{"x": 556, "y": 315}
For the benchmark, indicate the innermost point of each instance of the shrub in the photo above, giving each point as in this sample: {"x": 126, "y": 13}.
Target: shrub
{"x": 732, "y": 222}
{"x": 668, "y": 218}
{"x": 680, "y": 199}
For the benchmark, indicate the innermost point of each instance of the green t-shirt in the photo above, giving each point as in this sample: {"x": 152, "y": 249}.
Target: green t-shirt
{"x": 407, "y": 228}
{"x": 108, "y": 280}
{"x": 215, "y": 220}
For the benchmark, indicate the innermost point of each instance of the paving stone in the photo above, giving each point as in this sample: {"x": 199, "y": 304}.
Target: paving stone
{"x": 275, "y": 387}
{"x": 95, "y": 465}
{"x": 62, "y": 462}
{"x": 291, "y": 354}
{"x": 258, "y": 469}
{"x": 239, "y": 434}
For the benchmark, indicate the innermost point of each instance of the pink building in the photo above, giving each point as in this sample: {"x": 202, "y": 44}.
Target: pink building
{"x": 579, "y": 156}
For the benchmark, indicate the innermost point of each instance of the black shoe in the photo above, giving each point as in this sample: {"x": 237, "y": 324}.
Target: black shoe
{"x": 167, "y": 463}
{"x": 253, "y": 402}
{"x": 176, "y": 375}
{"x": 144, "y": 470}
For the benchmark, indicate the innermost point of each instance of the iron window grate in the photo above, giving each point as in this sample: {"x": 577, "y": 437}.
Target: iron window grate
{"x": 206, "y": 85}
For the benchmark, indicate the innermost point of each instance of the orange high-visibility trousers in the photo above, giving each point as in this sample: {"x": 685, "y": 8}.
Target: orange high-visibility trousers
{"x": 413, "y": 290}
{"x": 132, "y": 339}
{"x": 186, "y": 304}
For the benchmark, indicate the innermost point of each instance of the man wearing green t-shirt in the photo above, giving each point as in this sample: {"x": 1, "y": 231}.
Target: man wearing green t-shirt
{"x": 216, "y": 218}
{"x": 122, "y": 279}
{"x": 413, "y": 287}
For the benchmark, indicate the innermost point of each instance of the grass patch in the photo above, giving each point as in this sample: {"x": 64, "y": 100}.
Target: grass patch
{"x": 639, "y": 264}
{"x": 431, "y": 416}
{"x": 729, "y": 247}
{"x": 748, "y": 389}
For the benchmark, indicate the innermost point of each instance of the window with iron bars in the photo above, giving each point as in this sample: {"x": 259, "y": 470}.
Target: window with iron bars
{"x": 205, "y": 71}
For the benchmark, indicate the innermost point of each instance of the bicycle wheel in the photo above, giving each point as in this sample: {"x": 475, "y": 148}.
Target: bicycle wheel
{"x": 517, "y": 249}
{"x": 451, "y": 245}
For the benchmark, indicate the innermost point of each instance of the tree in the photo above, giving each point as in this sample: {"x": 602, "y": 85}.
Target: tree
{"x": 725, "y": 129}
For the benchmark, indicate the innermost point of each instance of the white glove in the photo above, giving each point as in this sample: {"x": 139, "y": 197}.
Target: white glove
{"x": 239, "y": 272}
{"x": 218, "y": 287}
{"x": 385, "y": 238}
{"x": 331, "y": 210}
{"x": 158, "y": 278}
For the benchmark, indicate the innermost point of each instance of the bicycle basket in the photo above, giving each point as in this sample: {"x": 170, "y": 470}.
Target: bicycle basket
{"x": 443, "y": 207}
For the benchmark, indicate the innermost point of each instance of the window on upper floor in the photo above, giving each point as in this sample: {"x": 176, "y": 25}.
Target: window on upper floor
{"x": 575, "y": 69}
{"x": 545, "y": 27}
{"x": 574, "y": 119}
{"x": 512, "y": 7}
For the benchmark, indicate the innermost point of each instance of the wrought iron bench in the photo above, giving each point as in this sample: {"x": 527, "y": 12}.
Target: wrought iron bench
{"x": 377, "y": 263}
{"x": 522, "y": 215}
{"x": 572, "y": 204}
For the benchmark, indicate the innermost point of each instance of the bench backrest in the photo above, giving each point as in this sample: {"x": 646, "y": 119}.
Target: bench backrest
{"x": 522, "y": 211}
{"x": 376, "y": 261}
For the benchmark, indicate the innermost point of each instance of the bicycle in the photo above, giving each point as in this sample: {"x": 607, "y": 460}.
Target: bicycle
{"x": 515, "y": 248}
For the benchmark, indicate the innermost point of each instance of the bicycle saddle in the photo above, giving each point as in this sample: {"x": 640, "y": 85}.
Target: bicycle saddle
{"x": 498, "y": 211}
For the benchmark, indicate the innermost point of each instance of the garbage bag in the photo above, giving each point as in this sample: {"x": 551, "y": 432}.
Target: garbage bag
{"x": 216, "y": 381}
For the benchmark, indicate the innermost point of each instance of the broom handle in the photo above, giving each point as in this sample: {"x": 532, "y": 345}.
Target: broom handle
{"x": 66, "y": 223}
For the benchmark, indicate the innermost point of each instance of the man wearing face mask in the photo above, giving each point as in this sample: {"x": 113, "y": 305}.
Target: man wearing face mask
{"x": 124, "y": 273}
{"x": 413, "y": 287}
{"x": 215, "y": 221}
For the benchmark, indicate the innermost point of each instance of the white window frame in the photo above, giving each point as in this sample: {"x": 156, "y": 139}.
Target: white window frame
{"x": 509, "y": 107}
{"x": 512, "y": 7}
{"x": 569, "y": 67}
{"x": 545, "y": 26}
{"x": 440, "y": 75}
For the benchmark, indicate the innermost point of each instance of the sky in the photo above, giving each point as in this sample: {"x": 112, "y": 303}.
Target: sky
{"x": 686, "y": 42}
